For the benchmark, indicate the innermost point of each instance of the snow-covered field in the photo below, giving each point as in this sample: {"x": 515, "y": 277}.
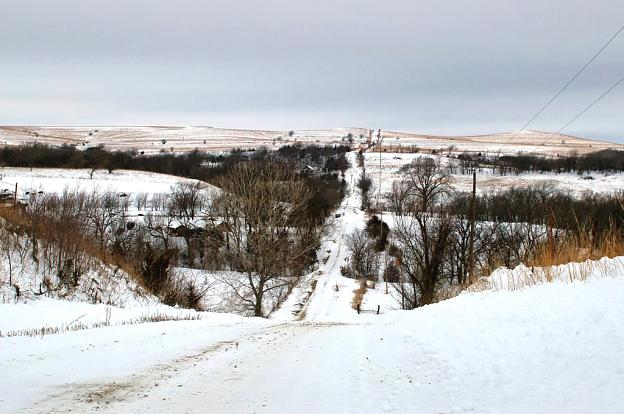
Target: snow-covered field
{"x": 179, "y": 139}
{"x": 488, "y": 180}
{"x": 65, "y": 315}
{"x": 56, "y": 180}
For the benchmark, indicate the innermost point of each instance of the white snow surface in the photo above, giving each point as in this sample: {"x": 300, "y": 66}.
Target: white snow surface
{"x": 46, "y": 374}
{"x": 488, "y": 181}
{"x": 522, "y": 276}
{"x": 63, "y": 314}
{"x": 56, "y": 180}
{"x": 554, "y": 347}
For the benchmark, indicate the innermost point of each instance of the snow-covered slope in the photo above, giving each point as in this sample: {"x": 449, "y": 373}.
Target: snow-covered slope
{"x": 157, "y": 138}
{"x": 63, "y": 372}
{"x": 555, "y": 347}
{"x": 487, "y": 180}
{"x": 522, "y": 276}
{"x": 25, "y": 276}
{"x": 55, "y": 180}
{"x": 517, "y": 345}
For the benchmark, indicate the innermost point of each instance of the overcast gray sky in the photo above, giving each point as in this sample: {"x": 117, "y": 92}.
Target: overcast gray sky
{"x": 441, "y": 67}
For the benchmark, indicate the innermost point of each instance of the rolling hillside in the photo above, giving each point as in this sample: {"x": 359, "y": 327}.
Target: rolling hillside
{"x": 179, "y": 139}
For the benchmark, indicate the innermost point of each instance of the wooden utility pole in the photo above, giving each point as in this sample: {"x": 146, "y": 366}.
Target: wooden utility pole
{"x": 473, "y": 214}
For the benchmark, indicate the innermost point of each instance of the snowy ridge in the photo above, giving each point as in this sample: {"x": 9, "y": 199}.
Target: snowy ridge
{"x": 179, "y": 139}
{"x": 554, "y": 347}
{"x": 522, "y": 276}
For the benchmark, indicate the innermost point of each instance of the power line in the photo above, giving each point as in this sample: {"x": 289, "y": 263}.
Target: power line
{"x": 576, "y": 75}
{"x": 588, "y": 107}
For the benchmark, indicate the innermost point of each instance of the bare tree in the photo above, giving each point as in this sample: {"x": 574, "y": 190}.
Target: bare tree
{"x": 263, "y": 207}
{"x": 421, "y": 233}
{"x": 458, "y": 260}
{"x": 423, "y": 242}
{"x": 9, "y": 244}
{"x": 363, "y": 258}
{"x": 60, "y": 243}
{"x": 103, "y": 212}
{"x": 426, "y": 180}
{"x": 188, "y": 200}
{"x": 141, "y": 201}
{"x": 158, "y": 227}
{"x": 399, "y": 197}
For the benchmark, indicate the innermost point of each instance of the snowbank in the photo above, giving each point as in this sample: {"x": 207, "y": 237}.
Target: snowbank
{"x": 64, "y": 314}
{"x": 556, "y": 347}
{"x": 522, "y": 276}
{"x": 36, "y": 368}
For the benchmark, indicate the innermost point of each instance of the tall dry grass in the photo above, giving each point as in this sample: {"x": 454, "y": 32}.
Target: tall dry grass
{"x": 570, "y": 257}
{"x": 579, "y": 246}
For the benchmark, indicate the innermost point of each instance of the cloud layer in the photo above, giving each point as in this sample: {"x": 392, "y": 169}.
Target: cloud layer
{"x": 436, "y": 67}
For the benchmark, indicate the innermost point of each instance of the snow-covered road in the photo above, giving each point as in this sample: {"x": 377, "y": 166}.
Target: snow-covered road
{"x": 332, "y": 296}
{"x": 287, "y": 368}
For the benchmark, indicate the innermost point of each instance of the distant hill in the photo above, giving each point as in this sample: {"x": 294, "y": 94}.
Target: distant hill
{"x": 179, "y": 139}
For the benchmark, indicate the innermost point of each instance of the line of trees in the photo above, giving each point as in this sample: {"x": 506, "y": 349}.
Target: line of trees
{"x": 604, "y": 161}
{"x": 193, "y": 164}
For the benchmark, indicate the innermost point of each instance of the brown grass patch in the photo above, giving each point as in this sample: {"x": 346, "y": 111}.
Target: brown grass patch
{"x": 578, "y": 248}
{"x": 358, "y": 294}
{"x": 581, "y": 249}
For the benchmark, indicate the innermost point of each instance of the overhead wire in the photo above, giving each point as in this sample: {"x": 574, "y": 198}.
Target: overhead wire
{"x": 588, "y": 107}
{"x": 564, "y": 88}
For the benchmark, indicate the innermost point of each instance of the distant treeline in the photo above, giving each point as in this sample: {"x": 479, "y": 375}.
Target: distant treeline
{"x": 543, "y": 203}
{"x": 599, "y": 161}
{"x": 321, "y": 165}
{"x": 194, "y": 164}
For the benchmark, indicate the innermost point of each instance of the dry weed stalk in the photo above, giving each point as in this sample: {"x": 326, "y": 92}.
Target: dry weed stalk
{"x": 358, "y": 294}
